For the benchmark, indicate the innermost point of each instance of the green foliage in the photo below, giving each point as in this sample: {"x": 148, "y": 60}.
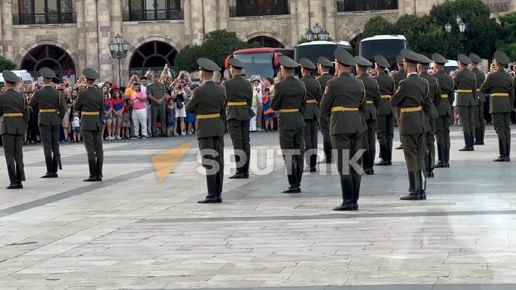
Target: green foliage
{"x": 6, "y": 64}
{"x": 507, "y": 40}
{"x": 216, "y": 45}
{"x": 378, "y": 25}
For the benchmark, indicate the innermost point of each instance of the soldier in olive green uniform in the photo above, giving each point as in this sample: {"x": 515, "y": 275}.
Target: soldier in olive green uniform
{"x": 373, "y": 102}
{"x": 239, "y": 113}
{"x": 289, "y": 101}
{"x": 412, "y": 98}
{"x": 208, "y": 103}
{"x": 312, "y": 112}
{"x": 501, "y": 86}
{"x": 435, "y": 99}
{"x": 466, "y": 87}
{"x": 52, "y": 108}
{"x": 324, "y": 66}
{"x": 444, "y": 109}
{"x": 90, "y": 102}
{"x": 155, "y": 92}
{"x": 398, "y": 76}
{"x": 14, "y": 112}
{"x": 345, "y": 99}
{"x": 480, "y": 125}
{"x": 385, "y": 112}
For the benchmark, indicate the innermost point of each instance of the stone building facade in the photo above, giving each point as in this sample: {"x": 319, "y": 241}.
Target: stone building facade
{"x": 74, "y": 34}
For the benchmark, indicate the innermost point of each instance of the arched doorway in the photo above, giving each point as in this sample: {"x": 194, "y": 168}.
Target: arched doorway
{"x": 266, "y": 41}
{"x": 152, "y": 55}
{"x": 49, "y": 56}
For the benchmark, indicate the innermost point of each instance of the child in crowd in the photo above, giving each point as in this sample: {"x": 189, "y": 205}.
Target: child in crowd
{"x": 76, "y": 123}
{"x": 268, "y": 113}
{"x": 171, "y": 116}
{"x": 126, "y": 122}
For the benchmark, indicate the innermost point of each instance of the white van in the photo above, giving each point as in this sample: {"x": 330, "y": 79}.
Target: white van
{"x": 451, "y": 65}
{"x": 23, "y": 74}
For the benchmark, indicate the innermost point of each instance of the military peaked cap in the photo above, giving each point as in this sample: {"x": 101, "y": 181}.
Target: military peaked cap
{"x": 463, "y": 59}
{"x": 439, "y": 59}
{"x": 361, "y": 61}
{"x": 475, "y": 58}
{"x": 236, "y": 63}
{"x": 287, "y": 62}
{"x": 324, "y": 62}
{"x": 344, "y": 57}
{"x": 90, "y": 74}
{"x": 410, "y": 56}
{"x": 501, "y": 57}
{"x": 382, "y": 61}
{"x": 10, "y": 77}
{"x": 207, "y": 65}
{"x": 47, "y": 73}
{"x": 307, "y": 64}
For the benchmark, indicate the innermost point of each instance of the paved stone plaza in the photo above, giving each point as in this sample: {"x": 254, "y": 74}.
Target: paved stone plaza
{"x": 132, "y": 232}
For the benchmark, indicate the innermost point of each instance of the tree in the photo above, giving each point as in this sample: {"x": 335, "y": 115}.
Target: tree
{"x": 507, "y": 42}
{"x": 216, "y": 45}
{"x": 481, "y": 30}
{"x": 378, "y": 25}
{"x": 6, "y": 64}
{"x": 422, "y": 33}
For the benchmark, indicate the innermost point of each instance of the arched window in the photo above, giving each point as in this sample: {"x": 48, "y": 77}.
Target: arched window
{"x": 259, "y": 8}
{"x": 49, "y": 56}
{"x": 266, "y": 41}
{"x": 44, "y": 12}
{"x": 152, "y": 55}
{"x": 149, "y": 10}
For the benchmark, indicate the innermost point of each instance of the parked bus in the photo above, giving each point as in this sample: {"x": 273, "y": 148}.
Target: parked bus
{"x": 315, "y": 49}
{"x": 389, "y": 46}
{"x": 262, "y": 61}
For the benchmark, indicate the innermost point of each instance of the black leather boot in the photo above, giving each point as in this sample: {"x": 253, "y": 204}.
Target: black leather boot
{"x": 20, "y": 175}
{"x": 92, "y": 165}
{"x": 447, "y": 147}
{"x": 13, "y": 181}
{"x": 430, "y": 163}
{"x": 55, "y": 164}
{"x": 50, "y": 167}
{"x": 292, "y": 181}
{"x": 386, "y": 155}
{"x": 99, "y": 170}
{"x": 479, "y": 140}
{"x": 238, "y": 175}
{"x": 357, "y": 179}
{"x": 327, "y": 153}
{"x": 468, "y": 144}
{"x": 415, "y": 185}
{"x": 502, "y": 146}
{"x": 213, "y": 196}
{"x": 346, "y": 186}
{"x": 422, "y": 182}
{"x": 299, "y": 172}
{"x": 313, "y": 163}
{"x": 440, "y": 156}
{"x": 508, "y": 149}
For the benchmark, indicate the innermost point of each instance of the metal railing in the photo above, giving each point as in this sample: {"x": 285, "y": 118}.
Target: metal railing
{"x": 43, "y": 18}
{"x": 245, "y": 10}
{"x": 152, "y": 15}
{"x": 366, "y": 5}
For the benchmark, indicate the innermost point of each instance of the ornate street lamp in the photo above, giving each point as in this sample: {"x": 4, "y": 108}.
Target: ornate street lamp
{"x": 317, "y": 33}
{"x": 462, "y": 28}
{"x": 118, "y": 48}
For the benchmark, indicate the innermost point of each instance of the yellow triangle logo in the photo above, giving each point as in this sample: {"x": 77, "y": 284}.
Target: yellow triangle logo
{"x": 164, "y": 162}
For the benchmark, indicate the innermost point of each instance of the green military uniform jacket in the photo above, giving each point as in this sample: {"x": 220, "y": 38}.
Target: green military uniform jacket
{"x": 313, "y": 96}
{"x": 387, "y": 87}
{"x": 499, "y": 82}
{"x": 157, "y": 90}
{"x": 434, "y": 93}
{"x": 90, "y": 100}
{"x": 413, "y": 92}
{"x": 49, "y": 98}
{"x": 208, "y": 99}
{"x": 323, "y": 80}
{"x": 444, "y": 108}
{"x": 12, "y": 101}
{"x": 239, "y": 90}
{"x": 481, "y": 77}
{"x": 348, "y": 92}
{"x": 399, "y": 76}
{"x": 290, "y": 93}
{"x": 466, "y": 80}
{"x": 373, "y": 97}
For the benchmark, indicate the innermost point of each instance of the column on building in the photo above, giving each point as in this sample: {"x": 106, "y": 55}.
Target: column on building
{"x": 81, "y": 39}
{"x": 1, "y": 35}
{"x": 116, "y": 28}
{"x": 104, "y": 37}
{"x": 223, "y": 14}
{"x": 187, "y": 18}
{"x": 197, "y": 21}
{"x": 210, "y": 15}
{"x": 330, "y": 16}
{"x": 295, "y": 36}
{"x": 303, "y": 14}
{"x": 7, "y": 18}
{"x": 91, "y": 35}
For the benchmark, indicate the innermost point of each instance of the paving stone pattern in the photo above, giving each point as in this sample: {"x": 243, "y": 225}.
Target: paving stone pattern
{"x": 132, "y": 232}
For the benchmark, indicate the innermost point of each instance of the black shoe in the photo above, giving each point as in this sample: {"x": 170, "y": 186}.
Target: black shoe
{"x": 384, "y": 163}
{"x": 467, "y": 149}
{"x": 479, "y": 142}
{"x": 355, "y": 206}
{"x": 292, "y": 189}
{"x": 211, "y": 198}
{"x": 399, "y": 147}
{"x": 239, "y": 175}
{"x": 345, "y": 207}
{"x": 440, "y": 164}
{"x": 325, "y": 161}
{"x": 430, "y": 174}
{"x": 49, "y": 175}
{"x": 369, "y": 171}
{"x": 14, "y": 185}
{"x": 412, "y": 196}
{"x": 423, "y": 195}
{"x": 308, "y": 169}
{"x": 501, "y": 159}
{"x": 92, "y": 179}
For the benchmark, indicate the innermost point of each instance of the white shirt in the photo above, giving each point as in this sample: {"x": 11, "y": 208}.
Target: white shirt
{"x": 76, "y": 122}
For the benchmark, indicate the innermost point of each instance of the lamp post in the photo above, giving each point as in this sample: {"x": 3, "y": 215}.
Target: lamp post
{"x": 462, "y": 28}
{"x": 118, "y": 48}
{"x": 318, "y": 33}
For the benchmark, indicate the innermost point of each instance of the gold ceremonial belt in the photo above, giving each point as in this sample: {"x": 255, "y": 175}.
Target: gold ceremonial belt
{"x": 48, "y": 111}
{"x": 311, "y": 101}
{"x": 444, "y": 96}
{"x": 208, "y": 116}
{"x": 237, "y": 103}
{"x": 464, "y": 91}
{"x": 90, "y": 113}
{"x": 289, "y": 110}
{"x": 411, "y": 109}
{"x": 369, "y": 102}
{"x": 386, "y": 96}
{"x": 343, "y": 109}
{"x": 499, "y": 95}
{"x": 13, "y": 114}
